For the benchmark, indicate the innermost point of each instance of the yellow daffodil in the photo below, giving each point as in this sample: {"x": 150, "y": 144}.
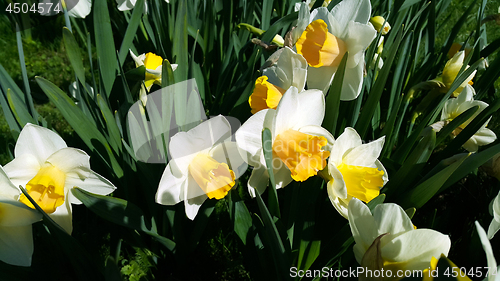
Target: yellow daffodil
{"x": 16, "y": 237}
{"x": 493, "y": 270}
{"x": 153, "y": 65}
{"x": 299, "y": 143}
{"x": 48, "y": 169}
{"x": 323, "y": 38}
{"x": 450, "y": 73}
{"x": 386, "y": 239}
{"x": 380, "y": 24}
{"x": 204, "y": 164}
{"x": 289, "y": 70}
{"x": 354, "y": 170}
{"x": 456, "y": 106}
{"x": 495, "y": 223}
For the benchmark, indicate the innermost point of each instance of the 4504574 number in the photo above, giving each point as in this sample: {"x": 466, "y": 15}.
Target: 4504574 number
{"x": 40, "y": 8}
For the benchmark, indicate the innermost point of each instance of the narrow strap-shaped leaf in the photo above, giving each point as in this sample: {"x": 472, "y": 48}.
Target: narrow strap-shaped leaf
{"x": 131, "y": 31}
{"x": 332, "y": 101}
{"x": 105, "y": 45}
{"x": 74, "y": 55}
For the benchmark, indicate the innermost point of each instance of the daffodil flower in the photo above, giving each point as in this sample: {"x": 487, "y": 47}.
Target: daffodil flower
{"x": 310, "y": 3}
{"x": 380, "y": 24}
{"x": 355, "y": 170}
{"x": 299, "y": 143}
{"x": 495, "y": 223}
{"x": 16, "y": 237}
{"x": 153, "y": 64}
{"x": 48, "y": 169}
{"x": 451, "y": 70}
{"x": 456, "y": 106}
{"x": 493, "y": 272}
{"x": 324, "y": 37}
{"x": 204, "y": 164}
{"x": 389, "y": 229}
{"x": 289, "y": 70}
{"x": 81, "y": 9}
{"x": 125, "y": 5}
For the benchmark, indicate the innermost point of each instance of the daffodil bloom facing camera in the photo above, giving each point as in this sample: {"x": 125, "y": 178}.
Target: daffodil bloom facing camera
{"x": 16, "y": 243}
{"x": 456, "y": 106}
{"x": 323, "y": 38}
{"x": 380, "y": 24}
{"x": 289, "y": 70}
{"x": 48, "y": 169}
{"x": 451, "y": 70}
{"x": 386, "y": 239}
{"x": 153, "y": 64}
{"x": 299, "y": 143}
{"x": 204, "y": 164}
{"x": 355, "y": 171}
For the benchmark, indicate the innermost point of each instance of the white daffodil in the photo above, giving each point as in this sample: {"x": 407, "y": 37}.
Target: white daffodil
{"x": 290, "y": 70}
{"x": 450, "y": 73}
{"x": 16, "y": 237}
{"x": 495, "y": 223}
{"x": 310, "y": 3}
{"x": 298, "y": 140}
{"x": 493, "y": 272}
{"x": 456, "y": 106}
{"x": 378, "y": 24}
{"x": 204, "y": 164}
{"x": 80, "y": 10}
{"x": 48, "y": 169}
{"x": 324, "y": 37}
{"x": 153, "y": 64}
{"x": 355, "y": 170}
{"x": 390, "y": 230}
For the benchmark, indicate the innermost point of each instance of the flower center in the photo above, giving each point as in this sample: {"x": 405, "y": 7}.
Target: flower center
{"x": 363, "y": 183}
{"x": 214, "y": 178}
{"x": 265, "y": 95}
{"x": 301, "y": 153}
{"x": 46, "y": 188}
{"x": 152, "y": 61}
{"x": 319, "y": 47}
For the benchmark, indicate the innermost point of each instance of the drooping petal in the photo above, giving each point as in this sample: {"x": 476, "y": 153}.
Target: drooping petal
{"x": 193, "y": 205}
{"x": 93, "y": 183}
{"x": 38, "y": 141}
{"x": 171, "y": 188}
{"x": 16, "y": 245}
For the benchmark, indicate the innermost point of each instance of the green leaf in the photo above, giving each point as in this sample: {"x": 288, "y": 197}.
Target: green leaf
{"x": 459, "y": 120}
{"x": 82, "y": 125}
{"x": 19, "y": 109}
{"x": 167, "y": 74}
{"x": 131, "y": 31}
{"x": 180, "y": 43}
{"x": 242, "y": 220}
{"x": 105, "y": 45}
{"x": 267, "y": 148}
{"x": 74, "y": 55}
{"x": 332, "y": 102}
{"x": 120, "y": 212}
{"x": 113, "y": 131}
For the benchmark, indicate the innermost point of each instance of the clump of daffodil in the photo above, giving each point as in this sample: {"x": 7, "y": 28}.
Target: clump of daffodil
{"x": 289, "y": 70}
{"x": 299, "y": 143}
{"x": 456, "y": 106}
{"x": 205, "y": 164}
{"x": 16, "y": 236}
{"x": 153, "y": 64}
{"x": 324, "y": 37}
{"x": 380, "y": 24}
{"x": 354, "y": 170}
{"x": 387, "y": 239}
{"x": 450, "y": 73}
{"x": 48, "y": 169}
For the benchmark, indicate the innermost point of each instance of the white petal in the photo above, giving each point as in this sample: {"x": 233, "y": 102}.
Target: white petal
{"x": 363, "y": 227}
{"x": 320, "y": 78}
{"x": 16, "y": 245}
{"x": 353, "y": 81}
{"x": 316, "y": 130}
{"x": 302, "y": 22}
{"x": 258, "y": 181}
{"x": 345, "y": 142}
{"x": 297, "y": 110}
{"x": 359, "y": 37}
{"x": 290, "y": 70}
{"x": 336, "y": 187}
{"x": 14, "y": 213}
{"x": 484, "y": 136}
{"x": 341, "y": 207}
{"x": 352, "y": 10}
{"x": 365, "y": 155}
{"x": 71, "y": 160}
{"x": 38, "y": 141}
{"x": 493, "y": 228}
{"x": 471, "y": 145}
{"x": 171, "y": 188}
{"x": 249, "y": 136}
{"x": 492, "y": 263}
{"x": 94, "y": 183}
{"x": 139, "y": 60}
{"x": 7, "y": 188}
{"x": 125, "y": 5}
{"x": 282, "y": 175}
{"x": 81, "y": 10}
{"x": 323, "y": 14}
{"x": 62, "y": 216}
{"x": 192, "y": 206}
{"x": 381, "y": 167}
{"x": 391, "y": 218}
{"x": 22, "y": 169}
{"x": 228, "y": 152}
{"x": 416, "y": 247}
